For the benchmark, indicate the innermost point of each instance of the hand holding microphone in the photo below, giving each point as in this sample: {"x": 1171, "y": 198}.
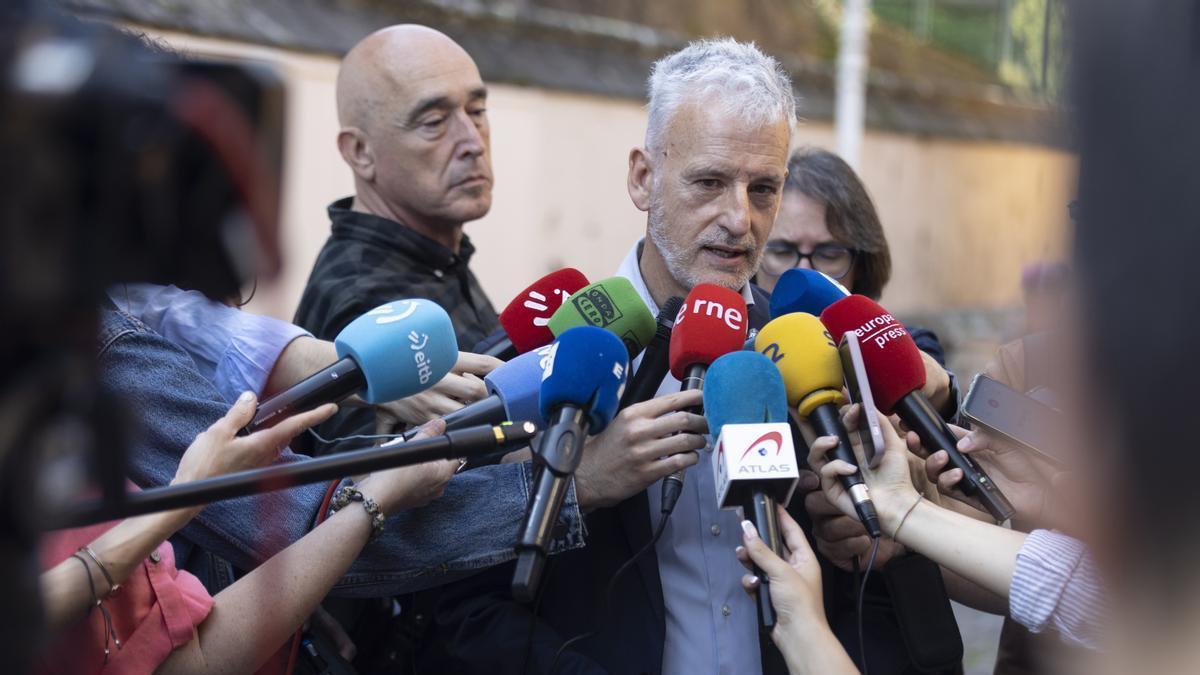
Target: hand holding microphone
{"x": 897, "y": 375}
{"x": 808, "y": 360}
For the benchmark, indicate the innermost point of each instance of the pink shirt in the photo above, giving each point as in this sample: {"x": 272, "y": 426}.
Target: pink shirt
{"x": 155, "y": 612}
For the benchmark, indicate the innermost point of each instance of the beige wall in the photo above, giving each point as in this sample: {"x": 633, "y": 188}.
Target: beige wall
{"x": 962, "y": 217}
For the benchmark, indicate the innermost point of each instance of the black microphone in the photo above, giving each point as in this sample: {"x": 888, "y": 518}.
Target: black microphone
{"x": 461, "y": 443}
{"x": 392, "y": 351}
{"x": 655, "y": 364}
{"x": 583, "y": 380}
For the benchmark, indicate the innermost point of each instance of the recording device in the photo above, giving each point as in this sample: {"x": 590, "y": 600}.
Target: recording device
{"x": 1021, "y": 419}
{"x": 897, "y": 374}
{"x": 125, "y": 166}
{"x": 644, "y": 383}
{"x": 457, "y": 444}
{"x": 526, "y": 319}
{"x": 612, "y": 304}
{"x": 870, "y": 433}
{"x": 807, "y": 359}
{"x": 395, "y": 350}
{"x": 580, "y": 390}
{"x": 711, "y": 323}
{"x": 808, "y": 291}
{"x": 754, "y": 462}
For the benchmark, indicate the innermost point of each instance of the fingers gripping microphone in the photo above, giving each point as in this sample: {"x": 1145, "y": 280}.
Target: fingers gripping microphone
{"x": 526, "y": 319}
{"x": 644, "y": 383}
{"x": 711, "y": 323}
{"x": 612, "y": 304}
{"x": 897, "y": 375}
{"x": 395, "y": 350}
{"x": 579, "y": 394}
{"x": 801, "y": 290}
{"x": 512, "y": 395}
{"x": 745, "y": 403}
{"x": 811, "y": 366}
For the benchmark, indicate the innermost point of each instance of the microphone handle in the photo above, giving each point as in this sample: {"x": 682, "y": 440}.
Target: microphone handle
{"x": 488, "y": 410}
{"x": 918, "y": 413}
{"x": 649, "y": 375}
{"x": 503, "y": 350}
{"x": 328, "y": 385}
{"x": 453, "y": 444}
{"x": 558, "y": 455}
{"x": 766, "y": 521}
{"x": 672, "y": 486}
{"x": 827, "y": 422}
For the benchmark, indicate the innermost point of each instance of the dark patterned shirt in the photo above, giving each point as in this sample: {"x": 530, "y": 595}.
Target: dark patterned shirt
{"x": 369, "y": 260}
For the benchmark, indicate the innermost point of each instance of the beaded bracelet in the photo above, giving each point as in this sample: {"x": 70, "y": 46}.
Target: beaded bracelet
{"x": 109, "y": 631}
{"x": 350, "y": 493}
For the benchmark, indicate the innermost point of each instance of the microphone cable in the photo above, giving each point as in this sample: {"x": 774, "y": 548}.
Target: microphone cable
{"x": 862, "y": 591}
{"x": 608, "y": 591}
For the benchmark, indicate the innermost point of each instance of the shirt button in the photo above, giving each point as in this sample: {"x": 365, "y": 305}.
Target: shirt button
{"x": 154, "y": 556}
{"x": 725, "y": 610}
{"x": 439, "y": 274}
{"x": 716, "y": 530}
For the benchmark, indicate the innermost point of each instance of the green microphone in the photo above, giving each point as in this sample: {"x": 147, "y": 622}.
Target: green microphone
{"x": 611, "y": 304}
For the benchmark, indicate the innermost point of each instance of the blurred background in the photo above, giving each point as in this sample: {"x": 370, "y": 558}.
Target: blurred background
{"x": 961, "y": 141}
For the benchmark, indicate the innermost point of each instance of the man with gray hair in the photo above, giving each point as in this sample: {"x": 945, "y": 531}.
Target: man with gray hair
{"x": 709, "y": 178}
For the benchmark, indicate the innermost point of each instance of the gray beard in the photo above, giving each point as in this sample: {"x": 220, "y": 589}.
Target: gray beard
{"x": 675, "y": 255}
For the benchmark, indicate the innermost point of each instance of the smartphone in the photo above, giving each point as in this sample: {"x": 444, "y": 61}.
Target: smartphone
{"x": 1014, "y": 416}
{"x": 859, "y": 387}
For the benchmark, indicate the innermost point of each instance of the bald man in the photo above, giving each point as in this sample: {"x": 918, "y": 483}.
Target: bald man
{"x": 414, "y": 132}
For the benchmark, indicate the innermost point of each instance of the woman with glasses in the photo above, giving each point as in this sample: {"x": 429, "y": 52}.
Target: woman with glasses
{"x": 827, "y": 222}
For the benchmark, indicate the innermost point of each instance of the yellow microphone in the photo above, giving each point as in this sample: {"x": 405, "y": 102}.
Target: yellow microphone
{"x": 808, "y": 359}
{"x": 800, "y": 346}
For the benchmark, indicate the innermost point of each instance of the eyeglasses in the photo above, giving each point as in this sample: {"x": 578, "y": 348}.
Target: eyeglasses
{"x": 832, "y": 259}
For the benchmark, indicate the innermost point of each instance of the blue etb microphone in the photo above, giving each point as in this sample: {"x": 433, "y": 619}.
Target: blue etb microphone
{"x": 754, "y": 460}
{"x": 808, "y": 291}
{"x": 395, "y": 350}
{"x": 580, "y": 391}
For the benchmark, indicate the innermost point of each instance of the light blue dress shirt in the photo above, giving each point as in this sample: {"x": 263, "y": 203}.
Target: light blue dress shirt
{"x": 232, "y": 349}
{"x": 711, "y": 624}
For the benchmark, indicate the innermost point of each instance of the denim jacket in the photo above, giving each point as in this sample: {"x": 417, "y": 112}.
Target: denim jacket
{"x": 471, "y": 527}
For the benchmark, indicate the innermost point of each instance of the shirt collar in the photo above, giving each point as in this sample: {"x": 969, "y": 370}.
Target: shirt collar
{"x": 387, "y": 233}
{"x": 631, "y": 269}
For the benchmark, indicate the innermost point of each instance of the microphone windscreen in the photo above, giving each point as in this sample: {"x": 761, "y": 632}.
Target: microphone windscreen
{"x": 402, "y": 347}
{"x": 526, "y": 319}
{"x": 612, "y": 304}
{"x": 711, "y": 323}
{"x": 893, "y": 362}
{"x": 518, "y": 383}
{"x": 743, "y": 388}
{"x": 801, "y": 290}
{"x": 587, "y": 368}
{"x": 807, "y": 358}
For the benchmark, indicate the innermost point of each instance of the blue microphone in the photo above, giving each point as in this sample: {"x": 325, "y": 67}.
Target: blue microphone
{"x": 513, "y": 392}
{"x": 580, "y": 391}
{"x": 745, "y": 404}
{"x": 395, "y": 350}
{"x": 808, "y": 291}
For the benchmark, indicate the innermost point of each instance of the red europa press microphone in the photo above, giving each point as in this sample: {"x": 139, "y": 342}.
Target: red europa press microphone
{"x": 711, "y": 323}
{"x": 897, "y": 375}
{"x": 525, "y": 319}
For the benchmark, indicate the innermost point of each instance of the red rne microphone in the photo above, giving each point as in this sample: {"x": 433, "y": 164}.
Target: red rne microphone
{"x": 711, "y": 323}
{"x": 525, "y": 319}
{"x": 896, "y": 374}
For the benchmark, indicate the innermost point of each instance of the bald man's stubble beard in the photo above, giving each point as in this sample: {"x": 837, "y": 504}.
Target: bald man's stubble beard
{"x": 680, "y": 257}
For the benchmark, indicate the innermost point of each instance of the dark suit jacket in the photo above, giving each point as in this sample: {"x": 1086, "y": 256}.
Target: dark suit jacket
{"x": 476, "y": 627}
